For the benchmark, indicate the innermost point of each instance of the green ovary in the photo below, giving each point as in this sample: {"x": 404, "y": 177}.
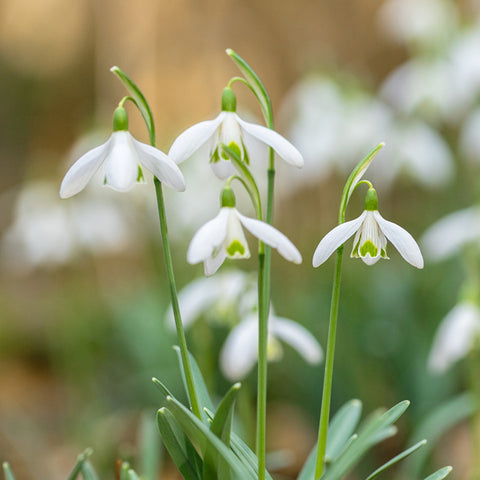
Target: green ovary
{"x": 368, "y": 247}
{"x": 234, "y": 248}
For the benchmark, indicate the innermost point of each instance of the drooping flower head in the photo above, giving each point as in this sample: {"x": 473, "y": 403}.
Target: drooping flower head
{"x": 123, "y": 158}
{"x": 371, "y": 234}
{"x": 223, "y": 237}
{"x": 230, "y": 130}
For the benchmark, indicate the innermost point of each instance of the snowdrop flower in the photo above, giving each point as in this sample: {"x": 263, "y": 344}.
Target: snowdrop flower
{"x": 370, "y": 242}
{"x": 240, "y": 350}
{"x": 223, "y": 237}
{"x": 229, "y": 129}
{"x": 123, "y": 158}
{"x": 455, "y": 337}
{"x": 216, "y": 296}
{"x": 450, "y": 234}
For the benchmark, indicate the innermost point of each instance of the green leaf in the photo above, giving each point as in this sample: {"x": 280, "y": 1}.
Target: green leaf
{"x": 179, "y": 446}
{"x": 151, "y": 452}
{"x": 341, "y": 428}
{"x": 201, "y": 435}
{"x": 354, "y": 178}
{"x": 165, "y": 391}
{"x": 88, "y": 472}
{"x": 139, "y": 99}
{"x": 125, "y": 467}
{"x": 221, "y": 426}
{"x": 255, "y": 85}
{"x": 396, "y": 459}
{"x": 199, "y": 382}
{"x": 439, "y": 474}
{"x": 440, "y": 420}
{"x": 374, "y": 429}
{"x": 132, "y": 475}
{"x": 78, "y": 466}
{"x": 7, "y": 471}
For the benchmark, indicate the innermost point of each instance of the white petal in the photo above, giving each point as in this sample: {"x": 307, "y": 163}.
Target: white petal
{"x": 223, "y": 168}
{"x": 451, "y": 233}
{"x": 239, "y": 353}
{"x": 336, "y": 237}
{"x": 271, "y": 236}
{"x": 282, "y": 146}
{"x": 208, "y": 238}
{"x": 401, "y": 240}
{"x": 193, "y": 138}
{"x": 212, "y": 264}
{"x": 298, "y": 337}
{"x": 454, "y": 337}
{"x": 161, "y": 165}
{"x": 83, "y": 170}
{"x": 121, "y": 164}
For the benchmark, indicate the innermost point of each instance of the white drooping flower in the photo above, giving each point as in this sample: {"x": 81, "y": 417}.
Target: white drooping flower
{"x": 450, "y": 234}
{"x": 223, "y": 237}
{"x": 230, "y": 130}
{"x": 371, "y": 234}
{"x": 123, "y": 158}
{"x": 240, "y": 350}
{"x": 455, "y": 337}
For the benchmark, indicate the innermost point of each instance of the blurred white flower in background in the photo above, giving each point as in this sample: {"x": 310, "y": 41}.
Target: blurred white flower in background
{"x": 240, "y": 351}
{"x": 46, "y": 232}
{"x": 418, "y": 22}
{"x": 469, "y": 139}
{"x": 450, "y": 234}
{"x": 456, "y": 336}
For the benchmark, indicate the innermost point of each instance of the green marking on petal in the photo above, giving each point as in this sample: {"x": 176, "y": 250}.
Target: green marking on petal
{"x": 235, "y": 247}
{"x": 368, "y": 247}
{"x": 383, "y": 253}
{"x": 236, "y": 149}
{"x": 215, "y": 157}
{"x": 140, "y": 177}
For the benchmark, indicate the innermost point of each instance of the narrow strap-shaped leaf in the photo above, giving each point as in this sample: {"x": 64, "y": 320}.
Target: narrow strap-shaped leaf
{"x": 88, "y": 472}
{"x": 140, "y": 101}
{"x": 341, "y": 428}
{"x": 7, "y": 471}
{"x": 78, "y": 466}
{"x": 434, "y": 426}
{"x": 201, "y": 435}
{"x": 165, "y": 391}
{"x": 132, "y": 474}
{"x": 396, "y": 459}
{"x": 124, "y": 468}
{"x": 221, "y": 426}
{"x": 151, "y": 451}
{"x": 354, "y": 178}
{"x": 179, "y": 446}
{"x": 439, "y": 474}
{"x": 373, "y": 431}
{"x": 199, "y": 382}
{"x": 255, "y": 85}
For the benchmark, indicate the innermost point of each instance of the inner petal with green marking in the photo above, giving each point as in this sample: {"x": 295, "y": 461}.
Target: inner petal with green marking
{"x": 368, "y": 247}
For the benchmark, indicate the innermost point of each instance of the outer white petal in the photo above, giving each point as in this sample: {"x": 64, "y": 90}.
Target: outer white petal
{"x": 401, "y": 240}
{"x": 271, "y": 236}
{"x": 454, "y": 337}
{"x": 452, "y": 232}
{"x": 336, "y": 237}
{"x": 212, "y": 264}
{"x": 193, "y": 138}
{"x": 83, "y": 170}
{"x": 298, "y": 337}
{"x": 161, "y": 165}
{"x": 208, "y": 238}
{"x": 121, "y": 164}
{"x": 239, "y": 353}
{"x": 282, "y": 146}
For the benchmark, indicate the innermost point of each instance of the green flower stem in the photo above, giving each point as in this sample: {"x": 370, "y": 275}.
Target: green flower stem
{"x": 174, "y": 297}
{"x": 328, "y": 376}
{"x": 262, "y": 366}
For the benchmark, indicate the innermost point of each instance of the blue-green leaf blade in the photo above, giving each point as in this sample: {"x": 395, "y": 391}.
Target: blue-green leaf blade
{"x": 7, "y": 471}
{"x": 439, "y": 474}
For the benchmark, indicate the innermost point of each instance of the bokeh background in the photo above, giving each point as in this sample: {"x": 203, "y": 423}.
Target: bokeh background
{"x": 83, "y": 294}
